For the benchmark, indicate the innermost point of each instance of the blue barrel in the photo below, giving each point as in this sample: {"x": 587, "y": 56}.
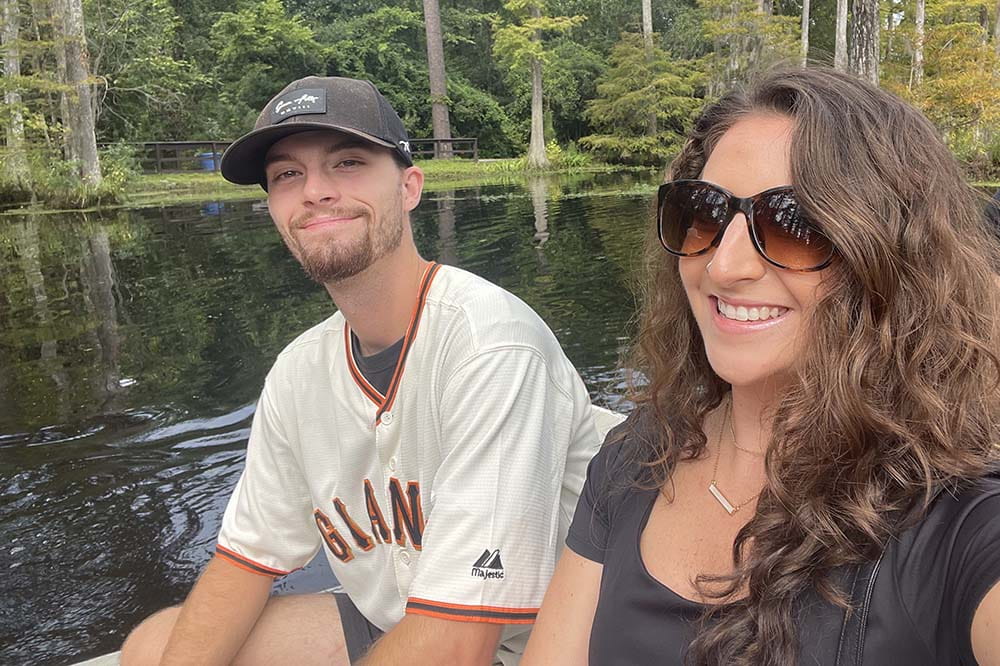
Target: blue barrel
{"x": 207, "y": 160}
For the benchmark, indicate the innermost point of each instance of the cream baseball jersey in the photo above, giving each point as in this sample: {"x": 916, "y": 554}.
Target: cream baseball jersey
{"x": 448, "y": 496}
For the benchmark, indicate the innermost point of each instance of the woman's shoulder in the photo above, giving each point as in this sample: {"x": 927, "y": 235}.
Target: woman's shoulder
{"x": 956, "y": 515}
{"x": 620, "y": 460}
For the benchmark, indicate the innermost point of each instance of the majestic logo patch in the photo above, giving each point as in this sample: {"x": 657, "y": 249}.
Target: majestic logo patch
{"x": 488, "y": 565}
{"x": 299, "y": 102}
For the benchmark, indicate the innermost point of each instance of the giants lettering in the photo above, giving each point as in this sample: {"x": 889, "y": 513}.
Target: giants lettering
{"x": 332, "y": 537}
{"x": 407, "y": 521}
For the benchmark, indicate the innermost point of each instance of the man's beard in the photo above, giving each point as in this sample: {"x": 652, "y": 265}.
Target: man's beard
{"x": 338, "y": 260}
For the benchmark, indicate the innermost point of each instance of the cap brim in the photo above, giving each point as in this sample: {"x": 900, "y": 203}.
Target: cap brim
{"x": 243, "y": 161}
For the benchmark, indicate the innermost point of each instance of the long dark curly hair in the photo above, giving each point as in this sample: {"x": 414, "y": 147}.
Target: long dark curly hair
{"x": 896, "y": 394}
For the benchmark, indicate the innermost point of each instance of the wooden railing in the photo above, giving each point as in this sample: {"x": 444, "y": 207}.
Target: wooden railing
{"x": 172, "y": 156}
{"x": 457, "y": 147}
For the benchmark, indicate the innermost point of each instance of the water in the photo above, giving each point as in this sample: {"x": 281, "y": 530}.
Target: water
{"x": 133, "y": 345}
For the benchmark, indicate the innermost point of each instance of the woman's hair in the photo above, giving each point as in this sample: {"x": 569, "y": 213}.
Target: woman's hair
{"x": 896, "y": 389}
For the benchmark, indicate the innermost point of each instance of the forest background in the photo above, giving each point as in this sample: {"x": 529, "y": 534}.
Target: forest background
{"x": 570, "y": 80}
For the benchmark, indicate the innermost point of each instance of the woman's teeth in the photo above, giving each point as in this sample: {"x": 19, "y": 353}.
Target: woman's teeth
{"x": 741, "y": 313}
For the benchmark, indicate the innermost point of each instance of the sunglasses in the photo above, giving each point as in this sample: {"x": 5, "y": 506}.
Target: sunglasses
{"x": 693, "y": 215}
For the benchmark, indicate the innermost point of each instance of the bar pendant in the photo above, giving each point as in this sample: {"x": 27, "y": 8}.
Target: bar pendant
{"x": 717, "y": 494}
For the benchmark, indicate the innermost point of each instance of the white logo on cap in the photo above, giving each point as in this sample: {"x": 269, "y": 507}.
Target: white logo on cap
{"x": 405, "y": 145}
{"x": 296, "y": 104}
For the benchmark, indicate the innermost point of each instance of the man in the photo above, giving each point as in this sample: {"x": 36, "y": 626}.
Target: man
{"x": 431, "y": 436}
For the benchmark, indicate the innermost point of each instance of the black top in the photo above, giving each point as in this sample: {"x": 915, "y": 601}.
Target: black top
{"x": 378, "y": 367}
{"x": 932, "y": 579}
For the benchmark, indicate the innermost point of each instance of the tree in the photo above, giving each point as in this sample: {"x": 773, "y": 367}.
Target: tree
{"x": 805, "y": 32}
{"x": 262, "y": 48}
{"x": 864, "y": 45}
{"x": 521, "y": 45}
{"x": 840, "y": 50}
{"x": 745, "y": 39}
{"x": 632, "y": 86}
{"x": 917, "y": 71}
{"x": 647, "y": 38}
{"x": 436, "y": 73}
{"x": 80, "y": 119}
{"x": 15, "y": 173}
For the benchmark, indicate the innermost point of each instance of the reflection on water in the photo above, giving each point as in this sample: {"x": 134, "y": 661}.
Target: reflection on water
{"x": 132, "y": 349}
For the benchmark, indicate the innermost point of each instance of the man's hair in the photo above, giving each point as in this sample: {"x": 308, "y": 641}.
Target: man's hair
{"x": 896, "y": 391}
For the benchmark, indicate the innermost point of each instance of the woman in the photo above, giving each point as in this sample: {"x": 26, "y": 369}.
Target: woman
{"x": 819, "y": 423}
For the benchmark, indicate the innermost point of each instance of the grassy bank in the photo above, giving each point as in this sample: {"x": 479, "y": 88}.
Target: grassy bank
{"x": 174, "y": 188}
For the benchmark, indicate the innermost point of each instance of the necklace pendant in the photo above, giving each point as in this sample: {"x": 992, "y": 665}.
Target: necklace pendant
{"x": 717, "y": 494}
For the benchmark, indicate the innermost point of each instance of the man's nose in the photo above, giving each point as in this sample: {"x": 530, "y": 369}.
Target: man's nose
{"x": 735, "y": 259}
{"x": 320, "y": 188}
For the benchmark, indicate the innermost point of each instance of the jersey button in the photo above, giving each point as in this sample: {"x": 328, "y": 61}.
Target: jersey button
{"x": 392, "y": 464}
{"x": 404, "y": 557}
{"x": 387, "y": 418}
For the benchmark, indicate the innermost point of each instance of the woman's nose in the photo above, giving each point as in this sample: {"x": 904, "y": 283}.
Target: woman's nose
{"x": 735, "y": 258}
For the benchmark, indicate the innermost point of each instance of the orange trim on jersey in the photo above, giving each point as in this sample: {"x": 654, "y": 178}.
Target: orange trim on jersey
{"x": 384, "y": 403}
{"x": 370, "y": 391}
{"x": 469, "y": 618}
{"x": 495, "y": 609}
{"x": 247, "y": 564}
{"x": 463, "y": 613}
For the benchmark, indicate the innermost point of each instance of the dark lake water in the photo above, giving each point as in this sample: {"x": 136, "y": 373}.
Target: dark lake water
{"x": 133, "y": 345}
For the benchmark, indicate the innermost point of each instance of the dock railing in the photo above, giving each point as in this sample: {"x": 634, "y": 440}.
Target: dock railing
{"x": 173, "y": 156}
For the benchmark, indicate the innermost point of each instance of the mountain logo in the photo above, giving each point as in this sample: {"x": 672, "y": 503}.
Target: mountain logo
{"x": 488, "y": 565}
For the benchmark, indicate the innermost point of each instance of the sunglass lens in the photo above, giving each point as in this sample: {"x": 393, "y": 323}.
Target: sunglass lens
{"x": 786, "y": 237}
{"x": 690, "y": 217}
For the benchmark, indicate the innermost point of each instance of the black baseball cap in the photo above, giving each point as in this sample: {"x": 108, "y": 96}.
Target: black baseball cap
{"x": 353, "y": 106}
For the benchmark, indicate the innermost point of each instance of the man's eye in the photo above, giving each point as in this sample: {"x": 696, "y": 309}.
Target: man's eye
{"x": 283, "y": 175}
{"x": 350, "y": 164}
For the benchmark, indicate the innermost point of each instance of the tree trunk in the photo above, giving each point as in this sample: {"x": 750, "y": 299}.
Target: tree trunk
{"x": 996, "y": 31}
{"x": 15, "y": 161}
{"x": 840, "y": 50}
{"x": 647, "y": 38}
{"x": 537, "y": 159}
{"x": 81, "y": 111}
{"x": 436, "y": 70}
{"x": 805, "y": 32}
{"x": 647, "y": 25}
{"x": 864, "y": 48}
{"x": 917, "y": 70}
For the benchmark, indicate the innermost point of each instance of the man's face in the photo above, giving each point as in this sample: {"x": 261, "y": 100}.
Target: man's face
{"x": 339, "y": 202}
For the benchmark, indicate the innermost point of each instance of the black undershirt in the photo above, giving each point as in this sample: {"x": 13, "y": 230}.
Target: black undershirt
{"x": 378, "y": 367}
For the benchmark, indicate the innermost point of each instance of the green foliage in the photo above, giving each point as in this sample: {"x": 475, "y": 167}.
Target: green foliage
{"x": 635, "y": 85}
{"x": 56, "y": 181}
{"x": 146, "y": 88}
{"x": 744, "y": 40}
{"x": 521, "y": 40}
{"x": 960, "y": 91}
{"x": 262, "y": 49}
{"x": 567, "y": 158}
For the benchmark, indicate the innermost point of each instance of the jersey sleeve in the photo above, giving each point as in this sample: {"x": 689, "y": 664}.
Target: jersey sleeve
{"x": 266, "y": 528}
{"x": 490, "y": 545}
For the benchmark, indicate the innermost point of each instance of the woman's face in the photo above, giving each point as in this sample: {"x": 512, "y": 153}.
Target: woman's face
{"x": 751, "y": 314}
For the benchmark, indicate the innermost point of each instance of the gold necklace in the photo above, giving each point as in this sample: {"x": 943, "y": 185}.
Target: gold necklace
{"x": 713, "y": 486}
{"x": 732, "y": 429}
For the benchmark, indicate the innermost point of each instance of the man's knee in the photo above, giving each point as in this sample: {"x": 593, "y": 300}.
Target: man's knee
{"x": 144, "y": 645}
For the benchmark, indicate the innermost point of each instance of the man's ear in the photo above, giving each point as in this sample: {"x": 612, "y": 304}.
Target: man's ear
{"x": 413, "y": 186}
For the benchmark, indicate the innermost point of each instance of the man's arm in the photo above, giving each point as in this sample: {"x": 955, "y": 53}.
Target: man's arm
{"x": 217, "y": 616}
{"x": 420, "y": 640}
{"x": 561, "y": 636}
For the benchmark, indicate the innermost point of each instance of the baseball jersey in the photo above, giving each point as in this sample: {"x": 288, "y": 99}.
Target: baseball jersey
{"x": 451, "y": 494}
